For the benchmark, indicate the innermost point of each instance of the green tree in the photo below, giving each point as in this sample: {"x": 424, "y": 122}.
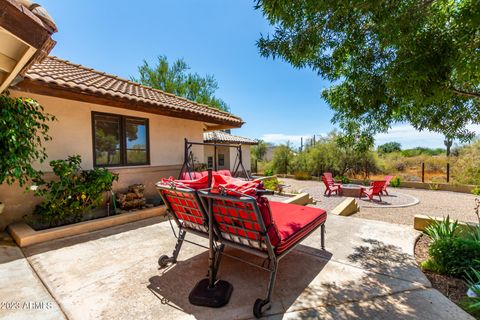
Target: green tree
{"x": 388, "y": 61}
{"x": 389, "y": 147}
{"x": 24, "y": 129}
{"x": 258, "y": 151}
{"x": 282, "y": 157}
{"x": 175, "y": 78}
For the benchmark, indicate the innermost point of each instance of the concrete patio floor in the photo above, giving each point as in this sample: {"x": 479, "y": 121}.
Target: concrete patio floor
{"x": 367, "y": 272}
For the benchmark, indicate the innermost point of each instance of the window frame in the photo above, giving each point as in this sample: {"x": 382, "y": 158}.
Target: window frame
{"x": 123, "y": 140}
{"x": 222, "y": 163}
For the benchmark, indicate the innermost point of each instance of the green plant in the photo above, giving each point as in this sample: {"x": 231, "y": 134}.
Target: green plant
{"x": 343, "y": 179}
{"x": 23, "y": 130}
{"x": 302, "y": 175}
{"x": 472, "y": 302}
{"x": 476, "y": 191}
{"x": 442, "y": 229}
{"x": 72, "y": 193}
{"x": 453, "y": 256}
{"x": 433, "y": 186}
{"x": 395, "y": 182}
{"x": 268, "y": 172}
{"x": 271, "y": 184}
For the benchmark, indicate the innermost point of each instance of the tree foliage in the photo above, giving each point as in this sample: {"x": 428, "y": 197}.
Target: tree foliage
{"x": 389, "y": 147}
{"x": 259, "y": 151}
{"x": 175, "y": 78}
{"x": 24, "y": 128}
{"x": 389, "y": 61}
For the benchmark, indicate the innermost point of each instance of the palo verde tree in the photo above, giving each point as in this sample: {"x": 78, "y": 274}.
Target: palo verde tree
{"x": 415, "y": 61}
{"x": 175, "y": 78}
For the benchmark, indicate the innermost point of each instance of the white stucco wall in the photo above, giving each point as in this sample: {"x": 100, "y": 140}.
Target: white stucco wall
{"x": 230, "y": 156}
{"x": 72, "y": 132}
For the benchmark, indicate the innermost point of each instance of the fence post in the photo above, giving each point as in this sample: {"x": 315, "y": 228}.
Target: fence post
{"x": 423, "y": 171}
{"x": 448, "y": 172}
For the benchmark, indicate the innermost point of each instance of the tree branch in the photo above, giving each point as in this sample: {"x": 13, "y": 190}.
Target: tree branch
{"x": 466, "y": 94}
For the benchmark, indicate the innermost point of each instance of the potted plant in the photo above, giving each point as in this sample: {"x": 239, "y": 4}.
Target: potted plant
{"x": 24, "y": 129}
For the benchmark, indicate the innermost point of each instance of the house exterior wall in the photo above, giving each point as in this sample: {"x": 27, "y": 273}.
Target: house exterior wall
{"x": 230, "y": 156}
{"x": 72, "y": 134}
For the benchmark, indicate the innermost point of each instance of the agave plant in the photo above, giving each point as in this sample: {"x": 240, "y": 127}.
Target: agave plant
{"x": 443, "y": 229}
{"x": 473, "y": 295}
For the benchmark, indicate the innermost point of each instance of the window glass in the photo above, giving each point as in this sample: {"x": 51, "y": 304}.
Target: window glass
{"x": 107, "y": 140}
{"x": 120, "y": 140}
{"x": 136, "y": 141}
{"x": 221, "y": 159}
{"x": 210, "y": 162}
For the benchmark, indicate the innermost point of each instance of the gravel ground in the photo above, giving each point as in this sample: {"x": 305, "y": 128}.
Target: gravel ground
{"x": 432, "y": 203}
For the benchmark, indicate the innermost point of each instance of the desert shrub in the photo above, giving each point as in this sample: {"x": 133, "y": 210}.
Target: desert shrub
{"x": 467, "y": 167}
{"x": 271, "y": 184}
{"x": 268, "y": 172}
{"x": 400, "y": 166}
{"x": 395, "y": 182}
{"x": 343, "y": 179}
{"x": 476, "y": 191}
{"x": 302, "y": 175}
{"x": 453, "y": 256}
{"x": 282, "y": 158}
{"x": 72, "y": 193}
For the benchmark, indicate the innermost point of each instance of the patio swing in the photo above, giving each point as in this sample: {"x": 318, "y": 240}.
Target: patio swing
{"x": 188, "y": 171}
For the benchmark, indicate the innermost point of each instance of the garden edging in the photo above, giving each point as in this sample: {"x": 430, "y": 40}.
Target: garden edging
{"x": 24, "y": 235}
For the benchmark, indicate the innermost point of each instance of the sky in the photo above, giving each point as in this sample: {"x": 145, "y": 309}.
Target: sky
{"x": 217, "y": 37}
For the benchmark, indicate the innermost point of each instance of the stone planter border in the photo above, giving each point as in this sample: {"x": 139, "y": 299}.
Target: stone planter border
{"x": 24, "y": 235}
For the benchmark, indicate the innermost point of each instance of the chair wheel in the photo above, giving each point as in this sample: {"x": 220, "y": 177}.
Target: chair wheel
{"x": 258, "y": 306}
{"x": 163, "y": 261}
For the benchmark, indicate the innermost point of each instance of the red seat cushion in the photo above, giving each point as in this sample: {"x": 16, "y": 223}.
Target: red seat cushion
{"x": 294, "y": 222}
{"x": 224, "y": 172}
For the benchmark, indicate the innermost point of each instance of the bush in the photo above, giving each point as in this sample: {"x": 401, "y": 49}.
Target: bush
{"x": 302, "y": 175}
{"x": 23, "y": 129}
{"x": 73, "y": 193}
{"x": 476, "y": 191}
{"x": 453, "y": 256}
{"x": 395, "y": 182}
{"x": 472, "y": 304}
{"x": 268, "y": 172}
{"x": 343, "y": 179}
{"x": 271, "y": 184}
{"x": 444, "y": 229}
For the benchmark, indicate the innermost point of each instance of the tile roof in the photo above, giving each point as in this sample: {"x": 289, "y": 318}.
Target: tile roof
{"x": 224, "y": 137}
{"x": 63, "y": 73}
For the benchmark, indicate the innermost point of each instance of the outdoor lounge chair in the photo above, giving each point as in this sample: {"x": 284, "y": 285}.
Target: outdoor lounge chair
{"x": 184, "y": 206}
{"x": 242, "y": 218}
{"x": 329, "y": 188}
{"x": 251, "y": 223}
{"x": 375, "y": 189}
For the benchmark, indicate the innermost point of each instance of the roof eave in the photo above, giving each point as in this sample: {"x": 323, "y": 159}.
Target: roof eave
{"x": 65, "y": 92}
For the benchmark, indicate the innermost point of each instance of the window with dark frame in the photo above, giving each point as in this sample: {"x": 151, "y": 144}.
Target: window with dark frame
{"x": 221, "y": 159}
{"x": 120, "y": 140}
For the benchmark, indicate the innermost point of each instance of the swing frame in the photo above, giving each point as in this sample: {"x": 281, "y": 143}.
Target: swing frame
{"x": 189, "y": 162}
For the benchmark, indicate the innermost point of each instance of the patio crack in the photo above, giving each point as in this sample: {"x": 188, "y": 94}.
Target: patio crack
{"x": 45, "y": 286}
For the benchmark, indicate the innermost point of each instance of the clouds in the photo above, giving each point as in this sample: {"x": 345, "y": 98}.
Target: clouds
{"x": 409, "y": 137}
{"x": 405, "y": 134}
{"x": 280, "y": 138}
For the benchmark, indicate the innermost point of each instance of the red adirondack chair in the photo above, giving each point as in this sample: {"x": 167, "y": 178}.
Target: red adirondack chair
{"x": 329, "y": 177}
{"x": 329, "y": 188}
{"x": 387, "y": 183}
{"x": 375, "y": 189}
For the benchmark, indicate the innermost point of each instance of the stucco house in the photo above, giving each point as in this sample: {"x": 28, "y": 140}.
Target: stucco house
{"x": 224, "y": 157}
{"x": 134, "y": 130}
